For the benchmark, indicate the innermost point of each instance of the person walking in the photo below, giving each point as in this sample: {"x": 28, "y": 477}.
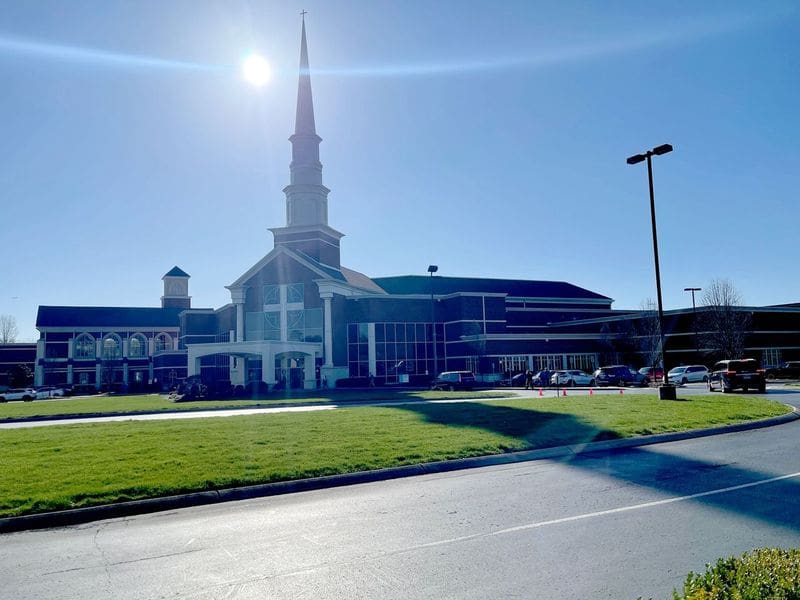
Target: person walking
{"x": 528, "y": 379}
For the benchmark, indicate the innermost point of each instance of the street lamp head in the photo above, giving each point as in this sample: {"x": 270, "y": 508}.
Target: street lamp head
{"x": 632, "y": 160}
{"x": 662, "y": 149}
{"x": 432, "y": 269}
{"x": 690, "y": 289}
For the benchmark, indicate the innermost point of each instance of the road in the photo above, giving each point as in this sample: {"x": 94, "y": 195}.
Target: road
{"x": 606, "y": 525}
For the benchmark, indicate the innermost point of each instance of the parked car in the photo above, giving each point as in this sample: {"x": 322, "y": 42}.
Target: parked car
{"x": 619, "y": 375}
{"x": 688, "y": 374}
{"x": 788, "y": 370}
{"x": 517, "y": 380}
{"x": 49, "y": 392}
{"x": 652, "y": 374}
{"x": 454, "y": 380}
{"x": 728, "y": 375}
{"x": 26, "y": 394}
{"x": 571, "y": 378}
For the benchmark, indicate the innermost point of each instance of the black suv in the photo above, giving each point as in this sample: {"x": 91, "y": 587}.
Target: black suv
{"x": 745, "y": 373}
{"x": 788, "y": 370}
{"x": 454, "y": 380}
{"x": 619, "y": 375}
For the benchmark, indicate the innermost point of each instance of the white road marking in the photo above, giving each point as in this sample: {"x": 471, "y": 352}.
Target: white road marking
{"x": 601, "y": 513}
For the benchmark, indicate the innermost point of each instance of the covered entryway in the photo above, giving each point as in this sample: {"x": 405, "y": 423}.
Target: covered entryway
{"x": 275, "y": 357}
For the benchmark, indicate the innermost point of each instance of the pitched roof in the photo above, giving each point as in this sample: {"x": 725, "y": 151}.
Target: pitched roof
{"x": 421, "y": 284}
{"x": 176, "y": 272}
{"x": 107, "y": 316}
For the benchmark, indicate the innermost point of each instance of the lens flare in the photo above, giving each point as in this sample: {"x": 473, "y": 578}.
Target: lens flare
{"x": 256, "y": 70}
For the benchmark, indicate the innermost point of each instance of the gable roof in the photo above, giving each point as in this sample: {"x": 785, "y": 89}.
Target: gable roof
{"x": 421, "y": 284}
{"x": 107, "y": 316}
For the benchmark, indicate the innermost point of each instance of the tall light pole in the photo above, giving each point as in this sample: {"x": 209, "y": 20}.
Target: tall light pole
{"x": 694, "y": 316}
{"x": 666, "y": 391}
{"x": 432, "y": 269}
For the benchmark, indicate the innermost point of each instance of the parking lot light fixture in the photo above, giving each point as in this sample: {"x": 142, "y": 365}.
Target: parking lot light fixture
{"x": 694, "y": 315}
{"x": 666, "y": 391}
{"x": 433, "y": 269}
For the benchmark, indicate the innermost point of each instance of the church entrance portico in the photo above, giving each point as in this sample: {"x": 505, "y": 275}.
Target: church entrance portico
{"x": 301, "y": 354}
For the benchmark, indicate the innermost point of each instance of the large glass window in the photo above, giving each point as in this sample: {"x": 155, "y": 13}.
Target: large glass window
{"x": 294, "y": 293}
{"x": 272, "y": 295}
{"x": 272, "y": 325}
{"x": 163, "y": 342}
{"x": 137, "y": 346}
{"x": 295, "y": 325}
{"x": 84, "y": 346}
{"x": 112, "y": 348}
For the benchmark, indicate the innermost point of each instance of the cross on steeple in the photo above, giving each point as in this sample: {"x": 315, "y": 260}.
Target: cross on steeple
{"x": 303, "y": 14}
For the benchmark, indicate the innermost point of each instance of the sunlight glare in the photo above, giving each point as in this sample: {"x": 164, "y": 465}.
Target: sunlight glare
{"x": 256, "y": 70}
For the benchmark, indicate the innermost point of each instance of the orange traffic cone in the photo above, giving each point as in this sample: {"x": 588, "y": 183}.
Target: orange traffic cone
{"x": 540, "y": 392}
{"x": 591, "y": 393}
{"x": 564, "y": 393}
{"x": 621, "y": 391}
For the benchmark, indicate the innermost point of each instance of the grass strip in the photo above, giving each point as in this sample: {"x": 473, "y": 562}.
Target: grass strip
{"x": 157, "y": 403}
{"x": 70, "y": 466}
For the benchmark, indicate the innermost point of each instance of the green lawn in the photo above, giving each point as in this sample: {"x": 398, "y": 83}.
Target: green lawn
{"x": 157, "y": 403}
{"x": 68, "y": 466}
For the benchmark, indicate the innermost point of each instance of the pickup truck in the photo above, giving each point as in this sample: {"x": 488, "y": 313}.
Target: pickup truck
{"x": 26, "y": 394}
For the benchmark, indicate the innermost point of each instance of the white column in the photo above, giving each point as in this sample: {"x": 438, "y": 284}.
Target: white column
{"x": 371, "y": 348}
{"x": 38, "y": 369}
{"x": 192, "y": 362}
{"x": 150, "y": 370}
{"x": 268, "y": 367}
{"x": 98, "y": 375}
{"x": 309, "y": 372}
{"x": 125, "y": 373}
{"x": 70, "y": 375}
{"x": 329, "y": 331}
{"x": 237, "y": 297}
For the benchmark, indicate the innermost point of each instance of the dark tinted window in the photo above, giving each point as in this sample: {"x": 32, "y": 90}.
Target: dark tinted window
{"x": 743, "y": 366}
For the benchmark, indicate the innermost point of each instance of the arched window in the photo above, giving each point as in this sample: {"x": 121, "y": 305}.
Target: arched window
{"x": 137, "y": 346}
{"x": 84, "y": 346}
{"x": 163, "y": 342}
{"x": 112, "y": 347}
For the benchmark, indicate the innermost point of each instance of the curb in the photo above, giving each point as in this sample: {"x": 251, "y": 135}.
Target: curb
{"x": 137, "y": 507}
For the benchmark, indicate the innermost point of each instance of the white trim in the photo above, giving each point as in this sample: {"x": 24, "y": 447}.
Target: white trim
{"x": 556, "y": 299}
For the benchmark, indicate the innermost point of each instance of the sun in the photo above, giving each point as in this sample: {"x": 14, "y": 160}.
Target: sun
{"x": 256, "y": 70}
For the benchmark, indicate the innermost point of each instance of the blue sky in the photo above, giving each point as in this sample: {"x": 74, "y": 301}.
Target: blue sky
{"x": 487, "y": 138}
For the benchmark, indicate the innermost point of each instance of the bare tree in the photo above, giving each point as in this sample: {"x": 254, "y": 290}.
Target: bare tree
{"x": 723, "y": 321}
{"x": 8, "y": 329}
{"x": 648, "y": 333}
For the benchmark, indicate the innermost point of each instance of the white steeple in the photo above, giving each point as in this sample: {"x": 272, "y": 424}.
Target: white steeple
{"x": 307, "y": 229}
{"x": 306, "y": 197}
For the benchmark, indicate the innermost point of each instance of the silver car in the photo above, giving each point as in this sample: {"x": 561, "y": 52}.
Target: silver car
{"x": 688, "y": 374}
{"x": 571, "y": 377}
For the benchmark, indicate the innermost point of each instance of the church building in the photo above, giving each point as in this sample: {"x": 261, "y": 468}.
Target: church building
{"x": 300, "y": 317}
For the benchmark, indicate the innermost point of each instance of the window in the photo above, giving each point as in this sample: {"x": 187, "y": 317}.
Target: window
{"x": 137, "y": 346}
{"x": 84, "y": 346}
{"x": 112, "y": 347}
{"x": 272, "y": 295}
{"x": 294, "y": 293}
{"x": 295, "y": 324}
{"x": 163, "y": 342}
{"x": 272, "y": 325}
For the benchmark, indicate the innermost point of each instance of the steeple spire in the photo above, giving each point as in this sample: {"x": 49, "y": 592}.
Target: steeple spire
{"x": 307, "y": 227}
{"x": 304, "y": 120}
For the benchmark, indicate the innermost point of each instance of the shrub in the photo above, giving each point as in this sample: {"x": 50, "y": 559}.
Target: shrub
{"x": 764, "y": 573}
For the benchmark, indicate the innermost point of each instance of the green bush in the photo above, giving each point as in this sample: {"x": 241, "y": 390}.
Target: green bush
{"x": 763, "y": 574}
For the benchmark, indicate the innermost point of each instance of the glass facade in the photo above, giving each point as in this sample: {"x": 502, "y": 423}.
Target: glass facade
{"x": 400, "y": 349}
